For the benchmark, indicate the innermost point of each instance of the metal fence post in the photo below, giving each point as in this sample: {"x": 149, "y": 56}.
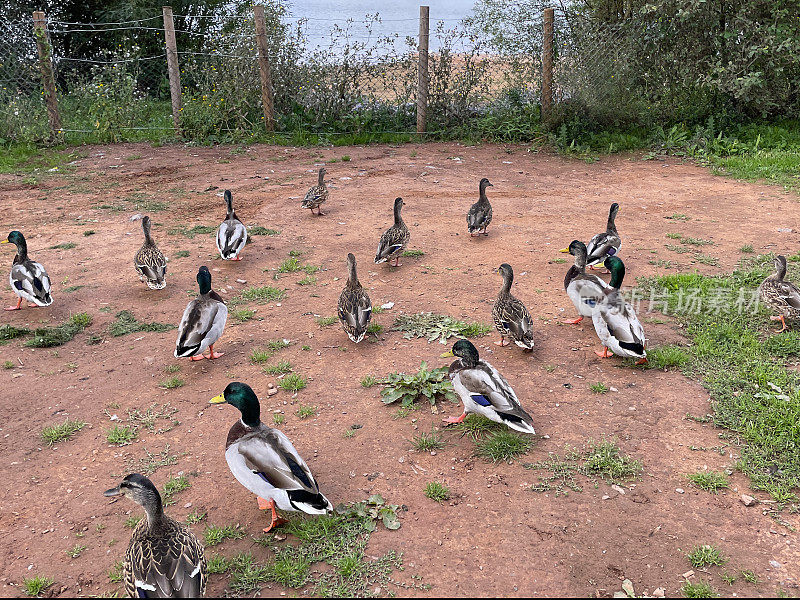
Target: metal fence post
{"x": 172, "y": 67}
{"x": 46, "y": 68}
{"x": 422, "y": 80}
{"x": 547, "y": 64}
{"x": 264, "y": 70}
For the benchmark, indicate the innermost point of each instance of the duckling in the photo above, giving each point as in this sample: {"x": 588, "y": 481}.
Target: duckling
{"x": 232, "y": 234}
{"x": 164, "y": 558}
{"x": 511, "y": 318}
{"x": 28, "y": 278}
{"x": 265, "y": 462}
{"x": 150, "y": 262}
{"x": 584, "y": 289}
{"x": 484, "y": 391}
{"x": 355, "y": 308}
{"x": 615, "y": 321}
{"x": 480, "y": 213}
{"x": 394, "y": 240}
{"x": 317, "y": 194}
{"x": 202, "y": 323}
{"x": 782, "y": 296}
{"x": 604, "y": 244}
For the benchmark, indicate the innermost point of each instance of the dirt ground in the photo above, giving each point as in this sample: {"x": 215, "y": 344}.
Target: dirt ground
{"x": 496, "y": 537}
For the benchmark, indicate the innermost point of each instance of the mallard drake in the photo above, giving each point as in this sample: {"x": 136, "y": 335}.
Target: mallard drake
{"x": 317, "y": 194}
{"x": 510, "y": 316}
{"x": 604, "y": 244}
{"x": 150, "y": 262}
{"x": 480, "y": 213}
{"x": 28, "y": 278}
{"x": 164, "y": 559}
{"x": 782, "y": 296}
{"x": 394, "y": 240}
{"x": 484, "y": 391}
{"x": 584, "y": 289}
{"x": 615, "y": 321}
{"x": 202, "y": 323}
{"x": 265, "y": 462}
{"x": 232, "y": 234}
{"x": 355, "y": 309}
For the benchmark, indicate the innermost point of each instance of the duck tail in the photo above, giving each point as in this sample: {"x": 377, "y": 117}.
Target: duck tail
{"x": 635, "y": 348}
{"x": 522, "y": 423}
{"x": 312, "y": 504}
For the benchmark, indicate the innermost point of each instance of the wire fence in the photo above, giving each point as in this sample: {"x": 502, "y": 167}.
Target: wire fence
{"x": 327, "y": 77}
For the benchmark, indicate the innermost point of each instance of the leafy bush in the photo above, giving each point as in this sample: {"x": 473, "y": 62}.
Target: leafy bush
{"x": 430, "y": 383}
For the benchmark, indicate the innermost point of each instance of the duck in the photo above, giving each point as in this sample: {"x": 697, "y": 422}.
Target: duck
{"x": 317, "y": 194}
{"x": 231, "y": 234}
{"x": 484, "y": 391}
{"x": 584, "y": 289}
{"x": 264, "y": 461}
{"x": 782, "y": 296}
{"x": 615, "y": 321}
{"x": 394, "y": 240}
{"x": 355, "y": 308}
{"x": 511, "y": 318}
{"x": 164, "y": 558}
{"x": 202, "y": 323}
{"x": 480, "y": 213}
{"x": 150, "y": 262}
{"x": 28, "y": 278}
{"x": 604, "y": 244}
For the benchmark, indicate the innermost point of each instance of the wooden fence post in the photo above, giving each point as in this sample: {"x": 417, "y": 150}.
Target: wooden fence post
{"x": 422, "y": 80}
{"x": 547, "y": 65}
{"x": 264, "y": 70}
{"x": 46, "y": 68}
{"x": 172, "y": 67}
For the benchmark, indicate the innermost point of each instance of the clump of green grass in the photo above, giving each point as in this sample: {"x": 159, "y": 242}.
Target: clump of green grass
{"x": 214, "y": 535}
{"x": 599, "y": 388}
{"x": 195, "y": 517}
{"x": 190, "y": 232}
{"x": 432, "y": 327}
{"x": 436, "y": 491}
{"x": 308, "y": 280}
{"x": 425, "y": 442}
{"x": 115, "y": 572}
{"x": 710, "y": 481}
{"x": 502, "y": 445}
{"x": 678, "y": 217}
{"x": 120, "y": 435}
{"x": 243, "y": 314}
{"x": 173, "y": 486}
{"x": 749, "y": 576}
{"x": 259, "y": 230}
{"x": 88, "y": 232}
{"x": 413, "y": 254}
{"x": 64, "y": 246}
{"x": 278, "y": 418}
{"x": 258, "y": 294}
{"x": 75, "y": 551}
{"x": 9, "y": 364}
{"x": 675, "y": 236}
{"x": 706, "y": 260}
{"x": 172, "y": 368}
{"x": 126, "y": 323}
{"x": 49, "y": 337}
{"x": 9, "y": 332}
{"x": 132, "y": 521}
{"x": 374, "y": 329}
{"x": 701, "y": 589}
{"x": 305, "y": 412}
{"x": 604, "y": 459}
{"x": 59, "y": 433}
{"x": 172, "y": 383}
{"x": 784, "y": 344}
{"x": 293, "y": 382}
{"x": 34, "y": 586}
{"x": 476, "y": 426}
{"x": 368, "y": 381}
{"x": 279, "y": 368}
{"x": 289, "y": 569}
{"x": 259, "y": 355}
{"x": 667, "y": 357}
{"x": 276, "y": 345}
{"x": 290, "y": 265}
{"x": 706, "y": 556}
{"x": 217, "y": 564}
{"x": 182, "y": 254}
{"x": 747, "y": 249}
{"x": 325, "y": 321}
{"x": 696, "y": 242}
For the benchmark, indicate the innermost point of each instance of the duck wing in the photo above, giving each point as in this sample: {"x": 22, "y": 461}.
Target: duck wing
{"x": 392, "y": 241}
{"x": 355, "y": 312}
{"x": 616, "y": 319}
{"x": 600, "y": 246}
{"x": 30, "y": 280}
{"x": 487, "y": 387}
{"x": 231, "y": 238}
{"x": 479, "y": 213}
{"x": 202, "y": 323}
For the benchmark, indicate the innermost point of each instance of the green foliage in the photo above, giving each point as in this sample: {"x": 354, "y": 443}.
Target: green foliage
{"x": 173, "y": 486}
{"x": 604, "y": 459}
{"x": 120, "y": 435}
{"x": 258, "y": 294}
{"x": 503, "y": 445}
{"x": 325, "y": 321}
{"x": 64, "y": 246}
{"x": 243, "y": 314}
{"x": 259, "y": 355}
{"x": 172, "y": 383}
{"x": 705, "y": 556}
{"x": 279, "y": 368}
{"x": 293, "y": 382}
{"x": 59, "y": 433}
{"x": 304, "y": 412}
{"x": 75, "y": 551}
{"x": 599, "y": 388}
{"x": 9, "y": 332}
{"x": 214, "y": 534}
{"x": 132, "y": 522}
{"x": 115, "y": 572}
{"x": 34, "y": 586}
{"x": 430, "y": 383}
{"x": 436, "y": 491}
{"x": 425, "y": 442}
{"x": 441, "y": 327}
{"x": 217, "y": 564}
{"x": 476, "y": 426}
{"x": 259, "y": 230}
{"x": 126, "y": 323}
{"x": 48, "y": 337}
{"x": 710, "y": 481}
{"x": 666, "y": 357}
{"x": 368, "y": 381}
{"x": 700, "y": 589}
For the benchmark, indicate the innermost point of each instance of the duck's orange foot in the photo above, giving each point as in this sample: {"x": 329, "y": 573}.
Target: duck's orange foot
{"x": 502, "y": 342}
{"x": 642, "y": 361}
{"x": 455, "y": 419}
{"x": 214, "y": 355}
{"x": 198, "y": 357}
{"x": 17, "y": 307}
{"x": 276, "y": 522}
{"x": 573, "y": 321}
{"x": 604, "y": 353}
{"x": 781, "y": 319}
{"x": 32, "y": 305}
{"x": 237, "y": 258}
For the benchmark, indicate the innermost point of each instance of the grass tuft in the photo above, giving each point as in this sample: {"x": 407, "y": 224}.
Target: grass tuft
{"x": 325, "y": 321}
{"x": 172, "y": 383}
{"x": 59, "y": 433}
{"x": 75, "y": 551}
{"x": 706, "y": 556}
{"x": 126, "y": 323}
{"x": 503, "y": 445}
{"x": 305, "y": 412}
{"x": 667, "y": 357}
{"x": 49, "y": 337}
{"x": 432, "y": 327}
{"x": 34, "y": 586}
{"x": 701, "y": 589}
{"x": 599, "y": 388}
{"x": 425, "y": 442}
{"x": 279, "y": 368}
{"x": 293, "y": 382}
{"x": 262, "y": 294}
{"x": 436, "y": 491}
{"x": 710, "y": 481}
{"x": 215, "y": 535}
{"x": 120, "y": 435}
{"x": 368, "y": 381}
{"x": 173, "y": 486}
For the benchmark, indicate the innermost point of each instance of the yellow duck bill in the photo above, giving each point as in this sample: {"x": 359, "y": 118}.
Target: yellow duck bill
{"x": 446, "y": 354}
{"x": 217, "y": 399}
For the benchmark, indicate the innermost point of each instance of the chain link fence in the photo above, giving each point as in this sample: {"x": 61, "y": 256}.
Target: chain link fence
{"x": 328, "y": 78}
